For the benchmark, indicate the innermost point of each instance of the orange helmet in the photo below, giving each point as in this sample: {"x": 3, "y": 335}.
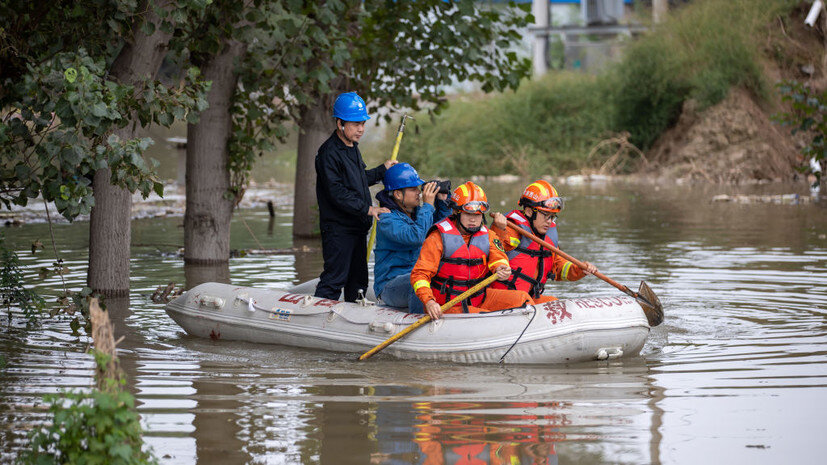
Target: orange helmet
{"x": 542, "y": 196}
{"x": 470, "y": 198}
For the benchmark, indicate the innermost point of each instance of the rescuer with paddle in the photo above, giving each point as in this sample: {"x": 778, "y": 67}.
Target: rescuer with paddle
{"x": 532, "y": 265}
{"x": 460, "y": 252}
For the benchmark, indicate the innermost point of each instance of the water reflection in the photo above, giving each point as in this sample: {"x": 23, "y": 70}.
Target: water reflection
{"x": 198, "y": 274}
{"x": 216, "y": 419}
{"x": 306, "y": 258}
{"x": 454, "y": 433}
{"x": 735, "y": 374}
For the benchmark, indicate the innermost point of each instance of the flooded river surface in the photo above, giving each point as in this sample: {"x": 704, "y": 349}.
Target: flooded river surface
{"x": 736, "y": 374}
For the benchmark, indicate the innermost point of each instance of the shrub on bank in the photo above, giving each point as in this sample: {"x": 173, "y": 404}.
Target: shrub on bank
{"x": 550, "y": 125}
{"x": 497, "y": 135}
{"x": 700, "y": 53}
{"x": 93, "y": 427}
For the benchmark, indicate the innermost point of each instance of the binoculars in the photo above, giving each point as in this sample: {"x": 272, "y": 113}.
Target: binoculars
{"x": 444, "y": 186}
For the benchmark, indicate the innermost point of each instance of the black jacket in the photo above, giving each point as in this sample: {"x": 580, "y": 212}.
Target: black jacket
{"x": 342, "y": 186}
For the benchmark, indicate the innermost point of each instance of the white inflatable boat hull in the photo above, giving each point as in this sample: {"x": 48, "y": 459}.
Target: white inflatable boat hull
{"x": 564, "y": 331}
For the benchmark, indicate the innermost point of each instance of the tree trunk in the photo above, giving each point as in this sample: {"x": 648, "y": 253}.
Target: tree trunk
{"x": 208, "y": 213}
{"x": 109, "y": 225}
{"x": 315, "y": 126}
{"x": 195, "y": 274}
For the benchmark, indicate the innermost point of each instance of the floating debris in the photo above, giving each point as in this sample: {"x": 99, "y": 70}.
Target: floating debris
{"x": 178, "y": 142}
{"x": 163, "y": 294}
{"x": 289, "y": 251}
{"x": 787, "y": 199}
{"x": 579, "y": 179}
{"x": 172, "y": 204}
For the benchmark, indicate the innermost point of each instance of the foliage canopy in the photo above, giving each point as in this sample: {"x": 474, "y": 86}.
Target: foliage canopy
{"x": 60, "y": 107}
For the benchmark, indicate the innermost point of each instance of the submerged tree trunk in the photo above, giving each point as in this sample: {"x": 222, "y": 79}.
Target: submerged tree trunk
{"x": 208, "y": 211}
{"x": 315, "y": 126}
{"x": 195, "y": 274}
{"x": 109, "y": 225}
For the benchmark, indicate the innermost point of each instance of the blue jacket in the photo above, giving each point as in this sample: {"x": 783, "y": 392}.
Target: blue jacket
{"x": 399, "y": 238}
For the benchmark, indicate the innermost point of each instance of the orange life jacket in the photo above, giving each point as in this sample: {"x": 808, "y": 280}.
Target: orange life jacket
{"x": 461, "y": 266}
{"x": 531, "y": 264}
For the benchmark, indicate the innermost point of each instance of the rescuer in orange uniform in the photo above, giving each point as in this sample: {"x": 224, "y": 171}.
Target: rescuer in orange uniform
{"x": 458, "y": 253}
{"x": 532, "y": 264}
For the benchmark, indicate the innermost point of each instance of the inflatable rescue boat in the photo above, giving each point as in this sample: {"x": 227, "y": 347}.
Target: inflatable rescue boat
{"x": 562, "y": 331}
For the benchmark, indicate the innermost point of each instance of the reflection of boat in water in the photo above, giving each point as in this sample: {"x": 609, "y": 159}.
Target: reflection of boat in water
{"x": 562, "y": 331}
{"x": 452, "y": 433}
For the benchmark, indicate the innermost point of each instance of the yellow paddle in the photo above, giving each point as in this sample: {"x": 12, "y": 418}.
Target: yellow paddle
{"x": 393, "y": 157}
{"x": 427, "y": 318}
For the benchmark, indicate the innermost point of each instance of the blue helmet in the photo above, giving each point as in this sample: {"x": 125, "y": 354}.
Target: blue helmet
{"x": 400, "y": 176}
{"x": 350, "y": 107}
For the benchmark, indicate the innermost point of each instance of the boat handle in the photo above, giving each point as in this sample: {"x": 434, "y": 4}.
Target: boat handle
{"x": 609, "y": 353}
{"x": 211, "y": 301}
{"x": 386, "y": 326}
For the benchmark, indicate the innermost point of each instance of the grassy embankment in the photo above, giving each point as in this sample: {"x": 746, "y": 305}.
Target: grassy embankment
{"x": 549, "y": 126}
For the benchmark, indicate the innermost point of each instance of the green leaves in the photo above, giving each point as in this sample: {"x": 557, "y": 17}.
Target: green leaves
{"x": 98, "y": 427}
{"x": 807, "y": 115}
{"x": 438, "y": 42}
{"x": 59, "y": 128}
{"x": 13, "y": 292}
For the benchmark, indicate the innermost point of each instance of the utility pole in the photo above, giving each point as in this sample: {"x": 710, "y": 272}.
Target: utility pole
{"x": 659, "y": 9}
{"x": 539, "y": 8}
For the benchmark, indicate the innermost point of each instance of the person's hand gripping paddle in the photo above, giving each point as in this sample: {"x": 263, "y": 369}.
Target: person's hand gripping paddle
{"x": 645, "y": 297}
{"x": 427, "y": 318}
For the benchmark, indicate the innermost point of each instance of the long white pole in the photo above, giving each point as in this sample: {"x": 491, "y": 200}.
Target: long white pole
{"x": 812, "y": 16}
{"x": 659, "y": 9}
{"x": 539, "y": 8}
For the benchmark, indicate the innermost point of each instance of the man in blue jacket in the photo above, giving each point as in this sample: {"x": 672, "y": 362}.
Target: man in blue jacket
{"x": 345, "y": 207}
{"x": 401, "y": 232}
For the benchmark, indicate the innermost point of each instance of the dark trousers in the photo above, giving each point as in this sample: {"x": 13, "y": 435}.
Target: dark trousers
{"x": 345, "y": 265}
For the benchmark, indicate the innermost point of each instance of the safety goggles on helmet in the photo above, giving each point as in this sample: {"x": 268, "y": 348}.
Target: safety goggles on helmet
{"x": 553, "y": 203}
{"x": 550, "y": 204}
{"x": 474, "y": 206}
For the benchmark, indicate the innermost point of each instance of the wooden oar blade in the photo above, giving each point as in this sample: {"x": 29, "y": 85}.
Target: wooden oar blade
{"x": 650, "y": 304}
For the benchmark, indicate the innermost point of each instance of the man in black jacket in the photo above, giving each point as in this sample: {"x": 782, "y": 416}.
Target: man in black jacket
{"x": 345, "y": 207}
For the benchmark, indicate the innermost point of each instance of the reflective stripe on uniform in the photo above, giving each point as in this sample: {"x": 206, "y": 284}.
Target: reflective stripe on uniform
{"x": 564, "y": 275}
{"x": 420, "y": 284}
{"x": 494, "y": 265}
{"x": 445, "y": 225}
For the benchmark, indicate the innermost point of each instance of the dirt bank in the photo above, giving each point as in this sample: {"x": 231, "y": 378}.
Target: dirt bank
{"x": 732, "y": 142}
{"x": 737, "y": 140}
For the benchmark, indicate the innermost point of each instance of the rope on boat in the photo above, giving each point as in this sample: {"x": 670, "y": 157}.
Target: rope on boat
{"x": 502, "y": 359}
{"x": 252, "y": 306}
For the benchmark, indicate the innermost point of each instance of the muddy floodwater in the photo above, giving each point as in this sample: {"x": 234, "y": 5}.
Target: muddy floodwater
{"x": 736, "y": 374}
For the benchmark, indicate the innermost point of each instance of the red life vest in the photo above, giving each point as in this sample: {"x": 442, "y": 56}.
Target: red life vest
{"x": 531, "y": 264}
{"x": 461, "y": 266}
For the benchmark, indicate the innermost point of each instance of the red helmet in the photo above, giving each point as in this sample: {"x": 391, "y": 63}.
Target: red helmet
{"x": 542, "y": 196}
{"x": 470, "y": 198}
